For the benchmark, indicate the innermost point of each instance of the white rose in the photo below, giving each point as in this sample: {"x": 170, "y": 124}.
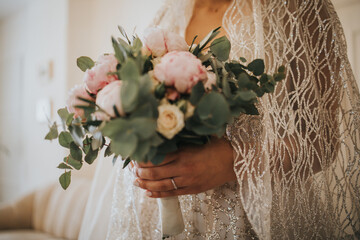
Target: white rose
{"x": 170, "y": 121}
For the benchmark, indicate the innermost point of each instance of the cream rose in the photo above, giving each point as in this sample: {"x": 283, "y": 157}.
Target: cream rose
{"x": 170, "y": 121}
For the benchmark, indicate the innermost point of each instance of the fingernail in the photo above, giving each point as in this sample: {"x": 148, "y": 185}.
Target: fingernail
{"x": 148, "y": 193}
{"x": 136, "y": 183}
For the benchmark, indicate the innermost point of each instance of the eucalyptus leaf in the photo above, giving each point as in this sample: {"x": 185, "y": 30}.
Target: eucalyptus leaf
{"x": 75, "y": 151}
{"x": 257, "y": 67}
{"x": 73, "y": 162}
{"x": 53, "y": 133}
{"x": 63, "y": 166}
{"x": 159, "y": 158}
{"x": 85, "y": 63}
{"x": 126, "y": 162}
{"x": 144, "y": 127}
{"x": 108, "y": 152}
{"x": 65, "y": 139}
{"x": 124, "y": 144}
{"x": 120, "y": 54}
{"x": 65, "y": 180}
{"x": 141, "y": 151}
{"x": 221, "y": 48}
{"x": 129, "y": 95}
{"x": 87, "y": 144}
{"x": 91, "y": 156}
{"x": 130, "y": 71}
{"x": 196, "y": 93}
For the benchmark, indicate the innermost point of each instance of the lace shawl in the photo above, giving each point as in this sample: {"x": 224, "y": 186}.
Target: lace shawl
{"x": 297, "y": 164}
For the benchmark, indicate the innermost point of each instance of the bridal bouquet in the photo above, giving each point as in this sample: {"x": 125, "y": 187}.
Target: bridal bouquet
{"x": 154, "y": 94}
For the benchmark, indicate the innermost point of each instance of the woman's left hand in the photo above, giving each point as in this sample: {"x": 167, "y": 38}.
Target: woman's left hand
{"x": 194, "y": 169}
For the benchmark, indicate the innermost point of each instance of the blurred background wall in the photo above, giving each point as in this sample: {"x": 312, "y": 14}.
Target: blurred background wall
{"x": 39, "y": 43}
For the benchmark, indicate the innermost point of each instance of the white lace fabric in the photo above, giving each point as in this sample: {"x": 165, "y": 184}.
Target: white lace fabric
{"x": 297, "y": 164}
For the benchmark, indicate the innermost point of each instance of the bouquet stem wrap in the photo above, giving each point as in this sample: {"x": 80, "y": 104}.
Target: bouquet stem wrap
{"x": 172, "y": 222}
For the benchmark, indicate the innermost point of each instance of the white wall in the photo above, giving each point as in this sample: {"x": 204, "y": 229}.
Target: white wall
{"x": 30, "y": 38}
{"x": 61, "y": 31}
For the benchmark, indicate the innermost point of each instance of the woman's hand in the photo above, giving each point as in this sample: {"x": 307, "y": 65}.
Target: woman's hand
{"x": 194, "y": 169}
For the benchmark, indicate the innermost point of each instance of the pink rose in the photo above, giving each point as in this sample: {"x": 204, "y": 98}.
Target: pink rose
{"x": 107, "y": 98}
{"x": 181, "y": 70}
{"x": 159, "y": 41}
{"x": 211, "y": 80}
{"x": 72, "y": 100}
{"x": 97, "y": 77}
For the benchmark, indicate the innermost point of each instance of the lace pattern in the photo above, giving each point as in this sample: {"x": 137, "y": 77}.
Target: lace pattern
{"x": 297, "y": 164}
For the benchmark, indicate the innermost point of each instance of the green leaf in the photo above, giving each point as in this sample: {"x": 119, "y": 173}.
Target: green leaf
{"x": 119, "y": 52}
{"x": 281, "y": 69}
{"x": 53, "y": 133}
{"x": 63, "y": 166}
{"x": 97, "y": 140}
{"x": 75, "y": 151}
{"x": 141, "y": 151}
{"x": 221, "y": 48}
{"x": 126, "y": 162}
{"x": 124, "y": 144}
{"x": 226, "y": 87}
{"x": 87, "y": 144}
{"x": 69, "y": 119}
{"x": 243, "y": 59}
{"x": 73, "y": 162}
{"x": 247, "y": 95}
{"x": 108, "y": 152}
{"x": 65, "y": 180}
{"x": 91, "y": 156}
{"x": 213, "y": 109}
{"x": 137, "y": 44}
{"x": 114, "y": 159}
{"x": 279, "y": 76}
{"x": 257, "y": 67}
{"x": 77, "y": 132}
{"x": 160, "y": 91}
{"x": 85, "y": 63}
{"x": 65, "y": 139}
{"x": 144, "y": 127}
{"x": 63, "y": 113}
{"x": 196, "y": 93}
{"x": 123, "y": 32}
{"x": 129, "y": 71}
{"x": 129, "y": 95}
{"x": 159, "y": 158}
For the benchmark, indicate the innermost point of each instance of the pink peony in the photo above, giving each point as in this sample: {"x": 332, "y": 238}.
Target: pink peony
{"x": 97, "y": 77}
{"x": 107, "y": 98}
{"x": 159, "y": 42}
{"x": 72, "y": 100}
{"x": 181, "y": 70}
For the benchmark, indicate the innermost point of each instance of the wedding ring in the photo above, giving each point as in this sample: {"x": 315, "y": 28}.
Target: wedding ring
{"x": 174, "y": 184}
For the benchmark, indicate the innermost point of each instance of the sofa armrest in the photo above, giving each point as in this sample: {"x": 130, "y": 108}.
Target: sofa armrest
{"x": 18, "y": 214}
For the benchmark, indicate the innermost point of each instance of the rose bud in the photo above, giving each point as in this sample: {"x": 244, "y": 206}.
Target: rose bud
{"x": 158, "y": 41}
{"x": 107, "y": 98}
{"x": 98, "y": 77}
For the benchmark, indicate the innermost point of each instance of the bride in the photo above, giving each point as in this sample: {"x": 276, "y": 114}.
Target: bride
{"x": 290, "y": 173}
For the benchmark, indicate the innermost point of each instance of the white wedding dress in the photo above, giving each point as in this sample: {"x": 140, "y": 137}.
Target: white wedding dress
{"x": 312, "y": 120}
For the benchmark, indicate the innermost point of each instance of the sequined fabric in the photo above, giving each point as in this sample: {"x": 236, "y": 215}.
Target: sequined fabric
{"x": 297, "y": 164}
